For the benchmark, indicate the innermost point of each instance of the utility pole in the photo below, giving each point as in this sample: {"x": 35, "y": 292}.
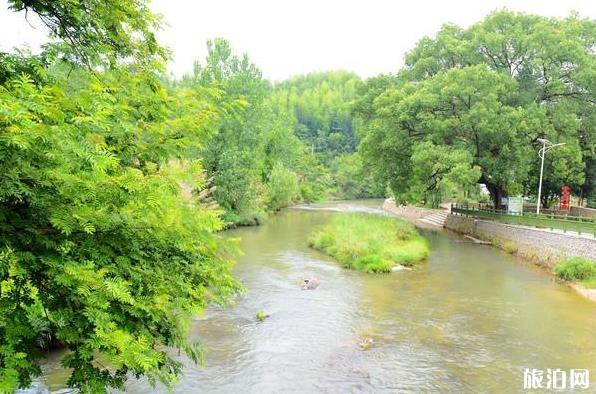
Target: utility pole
{"x": 546, "y": 146}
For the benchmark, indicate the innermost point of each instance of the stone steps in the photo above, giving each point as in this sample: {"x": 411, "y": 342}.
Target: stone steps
{"x": 436, "y": 219}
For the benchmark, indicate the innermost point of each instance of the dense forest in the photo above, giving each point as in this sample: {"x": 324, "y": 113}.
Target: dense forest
{"x": 278, "y": 144}
{"x": 116, "y": 179}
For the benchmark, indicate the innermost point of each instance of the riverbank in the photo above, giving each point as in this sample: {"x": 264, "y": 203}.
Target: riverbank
{"x": 410, "y": 213}
{"x": 543, "y": 248}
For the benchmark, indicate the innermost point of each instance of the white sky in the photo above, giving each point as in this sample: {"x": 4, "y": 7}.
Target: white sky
{"x": 286, "y": 38}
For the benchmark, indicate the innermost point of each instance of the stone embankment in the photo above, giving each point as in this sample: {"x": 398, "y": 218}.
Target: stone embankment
{"x": 422, "y": 217}
{"x": 543, "y": 247}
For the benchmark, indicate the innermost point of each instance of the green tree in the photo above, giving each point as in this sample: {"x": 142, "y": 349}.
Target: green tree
{"x": 233, "y": 156}
{"x": 107, "y": 245}
{"x": 352, "y": 179}
{"x": 99, "y": 31}
{"x": 282, "y": 187}
{"x": 256, "y": 154}
{"x": 100, "y": 251}
{"x": 492, "y": 89}
{"x": 463, "y": 108}
{"x": 321, "y": 105}
{"x": 438, "y": 170}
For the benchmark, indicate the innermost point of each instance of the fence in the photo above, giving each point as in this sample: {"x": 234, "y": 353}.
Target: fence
{"x": 566, "y": 223}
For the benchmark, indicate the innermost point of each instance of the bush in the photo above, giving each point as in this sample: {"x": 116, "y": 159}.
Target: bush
{"x": 370, "y": 243}
{"x": 282, "y": 188}
{"x": 253, "y": 218}
{"x": 577, "y": 269}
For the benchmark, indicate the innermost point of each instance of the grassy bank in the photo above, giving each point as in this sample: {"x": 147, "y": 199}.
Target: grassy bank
{"x": 370, "y": 243}
{"x": 578, "y": 270}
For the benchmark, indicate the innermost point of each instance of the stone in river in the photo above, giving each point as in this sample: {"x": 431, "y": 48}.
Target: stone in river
{"x": 310, "y": 284}
{"x": 400, "y": 267}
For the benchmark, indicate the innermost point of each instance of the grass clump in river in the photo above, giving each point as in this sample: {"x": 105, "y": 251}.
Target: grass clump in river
{"x": 370, "y": 243}
{"x": 510, "y": 247}
{"x": 261, "y": 316}
{"x": 578, "y": 269}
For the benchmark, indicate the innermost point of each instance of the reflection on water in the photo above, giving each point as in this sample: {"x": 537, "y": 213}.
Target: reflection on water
{"x": 470, "y": 319}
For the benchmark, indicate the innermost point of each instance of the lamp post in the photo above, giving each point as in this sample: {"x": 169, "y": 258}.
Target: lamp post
{"x": 546, "y": 146}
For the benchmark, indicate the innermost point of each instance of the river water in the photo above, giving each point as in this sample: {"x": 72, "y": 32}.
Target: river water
{"x": 471, "y": 319}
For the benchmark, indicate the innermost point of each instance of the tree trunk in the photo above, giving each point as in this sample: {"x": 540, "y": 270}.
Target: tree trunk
{"x": 547, "y": 198}
{"x": 496, "y": 192}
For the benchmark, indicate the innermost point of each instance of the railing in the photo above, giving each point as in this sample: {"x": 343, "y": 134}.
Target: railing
{"x": 578, "y": 224}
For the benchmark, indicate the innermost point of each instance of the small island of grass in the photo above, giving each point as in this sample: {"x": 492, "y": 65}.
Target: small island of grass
{"x": 370, "y": 243}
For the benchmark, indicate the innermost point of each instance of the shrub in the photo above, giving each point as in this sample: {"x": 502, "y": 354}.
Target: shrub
{"x": 282, "y": 188}
{"x": 370, "y": 243}
{"x": 576, "y": 269}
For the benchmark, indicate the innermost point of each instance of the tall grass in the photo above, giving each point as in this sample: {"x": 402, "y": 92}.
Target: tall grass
{"x": 579, "y": 270}
{"x": 370, "y": 243}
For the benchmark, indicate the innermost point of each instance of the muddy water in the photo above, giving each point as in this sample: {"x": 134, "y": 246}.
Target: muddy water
{"x": 469, "y": 320}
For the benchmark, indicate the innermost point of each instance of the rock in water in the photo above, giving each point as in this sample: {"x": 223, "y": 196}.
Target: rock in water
{"x": 310, "y": 284}
{"x": 400, "y": 267}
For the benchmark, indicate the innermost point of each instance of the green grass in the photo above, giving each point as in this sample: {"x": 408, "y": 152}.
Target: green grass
{"x": 370, "y": 243}
{"x": 510, "y": 247}
{"x": 578, "y": 270}
{"x": 588, "y": 283}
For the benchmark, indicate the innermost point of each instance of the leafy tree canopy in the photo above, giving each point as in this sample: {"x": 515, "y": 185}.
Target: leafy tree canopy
{"x": 99, "y": 30}
{"x": 321, "y": 106}
{"x": 493, "y": 90}
{"x": 108, "y": 243}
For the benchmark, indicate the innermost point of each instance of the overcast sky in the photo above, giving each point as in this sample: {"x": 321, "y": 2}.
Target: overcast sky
{"x": 286, "y": 38}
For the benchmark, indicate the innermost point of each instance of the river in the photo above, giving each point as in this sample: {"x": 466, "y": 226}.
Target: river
{"x": 468, "y": 320}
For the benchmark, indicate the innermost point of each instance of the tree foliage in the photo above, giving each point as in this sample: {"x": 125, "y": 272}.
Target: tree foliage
{"x": 493, "y": 90}
{"x": 232, "y": 156}
{"x": 257, "y": 163}
{"x": 103, "y": 249}
{"x": 275, "y": 145}
{"x": 99, "y": 30}
{"x": 321, "y": 106}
